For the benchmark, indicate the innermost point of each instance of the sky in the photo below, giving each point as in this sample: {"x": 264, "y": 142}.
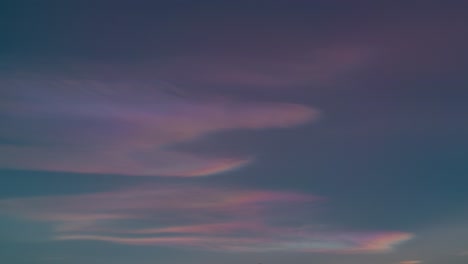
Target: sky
{"x": 203, "y": 132}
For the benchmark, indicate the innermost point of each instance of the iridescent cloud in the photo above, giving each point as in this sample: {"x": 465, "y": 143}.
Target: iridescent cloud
{"x": 191, "y": 216}
{"x": 383, "y": 242}
{"x": 98, "y": 127}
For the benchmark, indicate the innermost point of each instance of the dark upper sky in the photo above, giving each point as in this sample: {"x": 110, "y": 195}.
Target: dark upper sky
{"x": 328, "y": 132}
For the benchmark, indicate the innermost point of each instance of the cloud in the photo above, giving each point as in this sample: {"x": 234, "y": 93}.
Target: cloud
{"x": 199, "y": 217}
{"x": 278, "y": 53}
{"x": 411, "y": 262}
{"x": 306, "y": 66}
{"x": 384, "y": 241}
{"x": 89, "y": 126}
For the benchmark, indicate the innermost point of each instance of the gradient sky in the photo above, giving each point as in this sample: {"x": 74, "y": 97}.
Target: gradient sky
{"x": 203, "y": 132}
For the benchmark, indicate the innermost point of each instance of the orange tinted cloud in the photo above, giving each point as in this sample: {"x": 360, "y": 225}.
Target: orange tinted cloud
{"x": 384, "y": 242}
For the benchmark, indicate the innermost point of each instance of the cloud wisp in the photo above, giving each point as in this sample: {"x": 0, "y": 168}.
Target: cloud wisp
{"x": 89, "y": 126}
{"x": 411, "y": 262}
{"x": 197, "y": 217}
{"x": 278, "y": 70}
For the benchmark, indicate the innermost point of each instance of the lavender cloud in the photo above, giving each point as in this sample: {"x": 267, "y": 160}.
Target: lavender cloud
{"x": 98, "y": 127}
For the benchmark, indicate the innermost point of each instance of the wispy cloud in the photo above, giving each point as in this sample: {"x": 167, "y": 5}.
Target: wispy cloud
{"x": 411, "y": 262}
{"x": 281, "y": 69}
{"x": 303, "y": 57}
{"x": 93, "y": 127}
{"x": 208, "y": 218}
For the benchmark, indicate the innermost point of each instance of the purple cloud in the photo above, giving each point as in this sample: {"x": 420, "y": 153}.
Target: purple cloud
{"x": 93, "y": 127}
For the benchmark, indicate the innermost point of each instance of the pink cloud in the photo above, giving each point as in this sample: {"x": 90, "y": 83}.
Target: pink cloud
{"x": 191, "y": 216}
{"x": 85, "y": 130}
{"x": 382, "y": 242}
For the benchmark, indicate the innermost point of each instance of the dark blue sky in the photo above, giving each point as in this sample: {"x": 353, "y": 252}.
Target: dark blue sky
{"x": 220, "y": 132}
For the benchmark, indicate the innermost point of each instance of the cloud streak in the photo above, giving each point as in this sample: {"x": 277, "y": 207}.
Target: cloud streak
{"x": 411, "y": 262}
{"x": 296, "y": 67}
{"x": 198, "y": 217}
{"x": 89, "y": 126}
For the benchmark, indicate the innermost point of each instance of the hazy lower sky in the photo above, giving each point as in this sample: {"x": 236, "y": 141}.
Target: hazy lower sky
{"x": 203, "y": 132}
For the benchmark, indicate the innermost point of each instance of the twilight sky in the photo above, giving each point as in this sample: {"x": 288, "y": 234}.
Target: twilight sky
{"x": 203, "y": 132}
